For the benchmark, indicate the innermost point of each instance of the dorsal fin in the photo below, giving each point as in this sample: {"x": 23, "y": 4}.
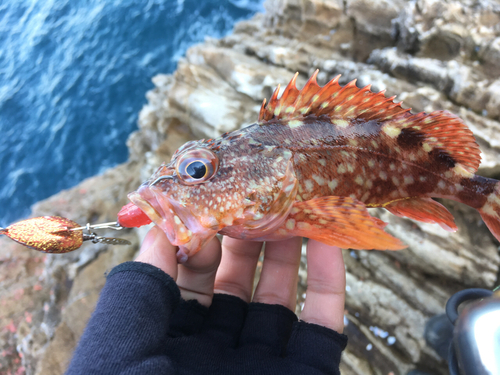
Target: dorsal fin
{"x": 438, "y": 130}
{"x": 332, "y": 99}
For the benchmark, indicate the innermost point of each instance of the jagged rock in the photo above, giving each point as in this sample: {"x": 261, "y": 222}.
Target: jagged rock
{"x": 433, "y": 55}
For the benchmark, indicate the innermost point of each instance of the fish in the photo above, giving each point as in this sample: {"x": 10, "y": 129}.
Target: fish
{"x": 314, "y": 162}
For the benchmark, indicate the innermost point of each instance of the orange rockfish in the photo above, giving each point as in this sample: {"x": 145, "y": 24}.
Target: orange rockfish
{"x": 312, "y": 164}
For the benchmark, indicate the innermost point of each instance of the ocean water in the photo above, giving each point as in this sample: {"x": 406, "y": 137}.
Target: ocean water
{"x": 73, "y": 78}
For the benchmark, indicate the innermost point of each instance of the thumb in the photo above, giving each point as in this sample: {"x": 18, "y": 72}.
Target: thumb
{"x": 159, "y": 252}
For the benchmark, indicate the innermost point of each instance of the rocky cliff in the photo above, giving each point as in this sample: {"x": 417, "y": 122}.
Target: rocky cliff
{"x": 432, "y": 54}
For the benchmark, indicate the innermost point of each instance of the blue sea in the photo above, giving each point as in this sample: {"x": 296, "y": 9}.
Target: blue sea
{"x": 73, "y": 78}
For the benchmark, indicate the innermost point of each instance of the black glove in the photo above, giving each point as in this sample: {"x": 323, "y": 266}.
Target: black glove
{"x": 141, "y": 326}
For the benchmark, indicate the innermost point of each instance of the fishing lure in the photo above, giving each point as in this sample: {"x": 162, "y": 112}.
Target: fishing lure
{"x": 311, "y": 165}
{"x": 56, "y": 235}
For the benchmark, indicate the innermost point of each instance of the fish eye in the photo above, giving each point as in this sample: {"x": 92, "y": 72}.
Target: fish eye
{"x": 196, "y": 169}
{"x": 196, "y": 166}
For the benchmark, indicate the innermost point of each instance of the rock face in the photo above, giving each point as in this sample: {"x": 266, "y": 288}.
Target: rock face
{"x": 433, "y": 55}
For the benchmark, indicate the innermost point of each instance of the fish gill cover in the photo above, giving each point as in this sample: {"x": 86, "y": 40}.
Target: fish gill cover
{"x": 73, "y": 77}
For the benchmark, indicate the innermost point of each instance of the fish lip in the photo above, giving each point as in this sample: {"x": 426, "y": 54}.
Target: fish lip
{"x": 141, "y": 198}
{"x": 181, "y": 227}
{"x": 158, "y": 208}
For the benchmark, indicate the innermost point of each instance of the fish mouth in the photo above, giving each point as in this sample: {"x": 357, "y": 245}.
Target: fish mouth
{"x": 157, "y": 207}
{"x": 180, "y": 225}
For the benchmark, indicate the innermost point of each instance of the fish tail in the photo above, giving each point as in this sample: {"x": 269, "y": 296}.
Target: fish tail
{"x": 490, "y": 211}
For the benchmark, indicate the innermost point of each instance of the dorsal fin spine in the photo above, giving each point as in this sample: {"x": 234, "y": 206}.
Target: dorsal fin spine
{"x": 290, "y": 94}
{"x": 305, "y": 95}
{"x": 262, "y": 109}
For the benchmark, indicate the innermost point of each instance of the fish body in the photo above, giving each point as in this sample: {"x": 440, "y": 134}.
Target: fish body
{"x": 312, "y": 164}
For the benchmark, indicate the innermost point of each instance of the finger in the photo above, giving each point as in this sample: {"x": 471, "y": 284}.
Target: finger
{"x": 280, "y": 273}
{"x": 325, "y": 295}
{"x": 237, "y": 268}
{"x": 159, "y": 252}
{"x": 197, "y": 275}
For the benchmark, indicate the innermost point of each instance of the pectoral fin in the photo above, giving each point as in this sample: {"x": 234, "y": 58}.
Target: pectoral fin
{"x": 339, "y": 221}
{"x": 425, "y": 210}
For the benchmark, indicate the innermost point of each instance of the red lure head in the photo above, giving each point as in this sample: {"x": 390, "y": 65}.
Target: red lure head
{"x": 131, "y": 216}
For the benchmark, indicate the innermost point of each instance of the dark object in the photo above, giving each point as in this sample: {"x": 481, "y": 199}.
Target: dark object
{"x": 476, "y": 343}
{"x": 141, "y": 326}
{"x": 439, "y": 334}
{"x": 464, "y": 295}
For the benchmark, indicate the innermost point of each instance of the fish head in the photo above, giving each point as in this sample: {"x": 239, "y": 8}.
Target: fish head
{"x": 218, "y": 186}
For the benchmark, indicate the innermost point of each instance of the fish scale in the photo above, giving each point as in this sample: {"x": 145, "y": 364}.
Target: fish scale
{"x": 312, "y": 164}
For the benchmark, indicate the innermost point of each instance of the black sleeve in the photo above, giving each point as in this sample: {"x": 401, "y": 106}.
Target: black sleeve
{"x": 128, "y": 328}
{"x": 141, "y": 326}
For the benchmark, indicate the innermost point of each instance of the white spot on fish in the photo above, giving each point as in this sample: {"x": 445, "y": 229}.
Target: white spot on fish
{"x": 427, "y": 147}
{"x": 391, "y": 131}
{"x": 408, "y": 180}
{"x": 340, "y": 123}
{"x": 319, "y": 180}
{"x": 333, "y": 184}
{"x": 303, "y": 226}
{"x": 258, "y": 216}
{"x": 295, "y": 124}
{"x": 461, "y": 171}
{"x": 290, "y": 224}
{"x": 309, "y": 185}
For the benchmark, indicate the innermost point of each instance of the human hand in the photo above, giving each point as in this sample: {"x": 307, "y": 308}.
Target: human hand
{"x": 141, "y": 326}
{"x": 325, "y": 296}
{"x": 199, "y": 277}
{"x": 195, "y": 278}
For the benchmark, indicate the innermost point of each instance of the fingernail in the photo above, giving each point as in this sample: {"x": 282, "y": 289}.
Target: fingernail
{"x": 182, "y": 257}
{"x": 149, "y": 240}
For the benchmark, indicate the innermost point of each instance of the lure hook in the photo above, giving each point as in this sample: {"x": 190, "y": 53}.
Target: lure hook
{"x": 111, "y": 225}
